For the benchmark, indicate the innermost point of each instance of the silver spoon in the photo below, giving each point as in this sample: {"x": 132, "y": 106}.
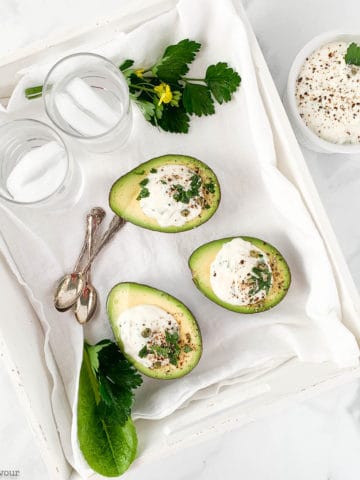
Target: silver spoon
{"x": 85, "y": 306}
{"x": 71, "y": 286}
{"x": 68, "y": 287}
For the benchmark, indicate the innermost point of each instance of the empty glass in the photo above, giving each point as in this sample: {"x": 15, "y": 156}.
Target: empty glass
{"x": 35, "y": 165}
{"x": 87, "y": 97}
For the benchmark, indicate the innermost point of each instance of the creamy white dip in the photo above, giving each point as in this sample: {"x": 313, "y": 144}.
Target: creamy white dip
{"x": 144, "y": 326}
{"x": 161, "y": 204}
{"x": 231, "y": 272}
{"x": 328, "y": 94}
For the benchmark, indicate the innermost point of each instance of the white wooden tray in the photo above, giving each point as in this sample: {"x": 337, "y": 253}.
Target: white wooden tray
{"x": 232, "y": 407}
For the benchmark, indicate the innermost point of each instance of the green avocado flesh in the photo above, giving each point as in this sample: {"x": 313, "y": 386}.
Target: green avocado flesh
{"x": 202, "y": 258}
{"x": 126, "y": 295}
{"x": 124, "y": 194}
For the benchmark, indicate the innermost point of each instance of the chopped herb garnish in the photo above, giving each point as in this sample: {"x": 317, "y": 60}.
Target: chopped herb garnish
{"x": 160, "y": 351}
{"x": 352, "y": 56}
{"x": 144, "y": 192}
{"x": 163, "y": 181}
{"x": 261, "y": 279}
{"x": 210, "y": 187}
{"x": 153, "y": 170}
{"x": 144, "y": 182}
{"x": 183, "y": 195}
{"x": 170, "y": 349}
{"x": 143, "y": 352}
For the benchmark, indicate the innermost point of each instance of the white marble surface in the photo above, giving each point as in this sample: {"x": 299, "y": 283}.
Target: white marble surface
{"x": 314, "y": 440}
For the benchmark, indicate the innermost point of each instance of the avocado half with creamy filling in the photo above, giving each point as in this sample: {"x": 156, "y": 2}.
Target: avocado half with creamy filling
{"x": 242, "y": 274}
{"x": 172, "y": 193}
{"x": 156, "y": 332}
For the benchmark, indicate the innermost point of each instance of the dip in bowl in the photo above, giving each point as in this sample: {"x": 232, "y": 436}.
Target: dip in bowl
{"x": 323, "y": 95}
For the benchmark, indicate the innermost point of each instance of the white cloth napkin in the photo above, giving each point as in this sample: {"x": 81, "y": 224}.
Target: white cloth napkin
{"x": 42, "y": 243}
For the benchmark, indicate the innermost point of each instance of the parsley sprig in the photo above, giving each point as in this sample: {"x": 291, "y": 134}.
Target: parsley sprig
{"x": 166, "y": 96}
{"x": 352, "y": 56}
{"x": 116, "y": 379}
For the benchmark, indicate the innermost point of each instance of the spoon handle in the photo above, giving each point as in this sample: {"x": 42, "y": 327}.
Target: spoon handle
{"x": 115, "y": 225}
{"x": 93, "y": 220}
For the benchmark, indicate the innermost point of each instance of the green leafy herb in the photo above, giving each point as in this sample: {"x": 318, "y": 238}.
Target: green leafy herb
{"x": 33, "y": 92}
{"x": 352, "y": 56}
{"x": 173, "y": 120}
{"x": 153, "y": 170}
{"x": 181, "y": 194}
{"x": 125, "y": 65}
{"x": 165, "y": 96}
{"x": 174, "y": 61}
{"x": 195, "y": 184}
{"x": 144, "y": 182}
{"x": 197, "y": 99}
{"x": 210, "y": 187}
{"x": 184, "y": 196}
{"x": 143, "y": 352}
{"x": 106, "y": 433}
{"x": 144, "y": 192}
{"x": 170, "y": 349}
{"x": 261, "y": 279}
{"x": 222, "y": 81}
{"x": 173, "y": 341}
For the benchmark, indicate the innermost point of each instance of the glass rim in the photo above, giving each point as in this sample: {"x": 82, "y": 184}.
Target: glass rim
{"x": 46, "y": 84}
{"x": 61, "y": 141}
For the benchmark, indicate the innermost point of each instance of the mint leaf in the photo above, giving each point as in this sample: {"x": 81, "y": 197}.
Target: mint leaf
{"x": 222, "y": 81}
{"x": 352, "y": 56}
{"x": 197, "y": 99}
{"x": 174, "y": 62}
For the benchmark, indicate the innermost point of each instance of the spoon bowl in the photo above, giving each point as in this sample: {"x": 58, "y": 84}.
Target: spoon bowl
{"x": 85, "y": 306}
{"x": 68, "y": 290}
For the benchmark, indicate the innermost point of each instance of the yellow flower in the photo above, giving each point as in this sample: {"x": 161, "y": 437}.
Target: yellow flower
{"x": 163, "y": 91}
{"x": 139, "y": 72}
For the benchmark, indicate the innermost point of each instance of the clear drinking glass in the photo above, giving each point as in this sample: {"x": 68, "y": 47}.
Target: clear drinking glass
{"x": 35, "y": 165}
{"x": 87, "y": 97}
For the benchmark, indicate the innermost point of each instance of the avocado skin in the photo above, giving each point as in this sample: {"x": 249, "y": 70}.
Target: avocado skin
{"x": 281, "y": 282}
{"x": 122, "y": 199}
{"x": 161, "y": 299}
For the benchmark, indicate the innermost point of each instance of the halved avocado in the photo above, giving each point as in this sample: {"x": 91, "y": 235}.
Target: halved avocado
{"x": 124, "y": 193}
{"x": 202, "y": 258}
{"x": 126, "y": 295}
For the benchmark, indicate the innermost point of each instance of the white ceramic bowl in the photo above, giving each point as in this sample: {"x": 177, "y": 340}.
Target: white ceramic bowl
{"x": 304, "y": 134}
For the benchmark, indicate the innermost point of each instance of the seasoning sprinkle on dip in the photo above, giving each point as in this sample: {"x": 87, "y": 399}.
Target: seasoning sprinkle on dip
{"x": 328, "y": 94}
